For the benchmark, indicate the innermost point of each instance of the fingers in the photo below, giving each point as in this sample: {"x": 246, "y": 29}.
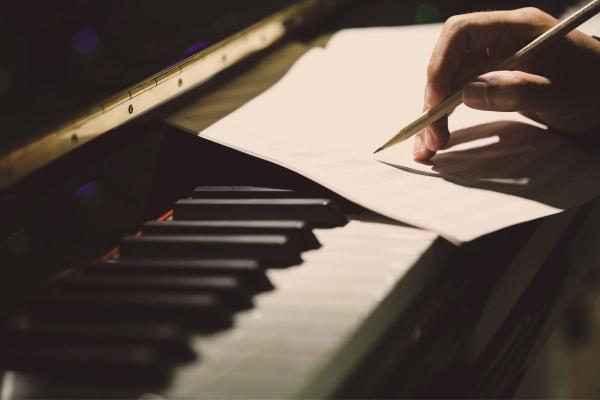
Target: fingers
{"x": 509, "y": 91}
{"x": 468, "y": 45}
{"x": 420, "y": 151}
{"x": 498, "y": 34}
{"x": 431, "y": 139}
{"x": 494, "y": 91}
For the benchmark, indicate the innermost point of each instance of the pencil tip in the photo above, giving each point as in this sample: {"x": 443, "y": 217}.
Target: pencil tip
{"x": 378, "y": 150}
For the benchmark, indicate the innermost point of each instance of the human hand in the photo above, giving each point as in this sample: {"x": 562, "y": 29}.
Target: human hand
{"x": 559, "y": 87}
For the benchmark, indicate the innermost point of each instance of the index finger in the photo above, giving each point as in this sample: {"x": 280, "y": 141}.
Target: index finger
{"x": 499, "y": 32}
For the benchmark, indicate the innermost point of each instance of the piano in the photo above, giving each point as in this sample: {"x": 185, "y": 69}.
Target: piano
{"x": 141, "y": 261}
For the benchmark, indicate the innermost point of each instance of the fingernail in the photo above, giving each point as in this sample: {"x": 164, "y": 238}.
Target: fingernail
{"x": 418, "y": 146}
{"x": 430, "y": 139}
{"x": 474, "y": 94}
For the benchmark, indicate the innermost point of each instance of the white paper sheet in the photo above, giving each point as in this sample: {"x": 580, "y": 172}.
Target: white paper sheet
{"x": 336, "y": 105}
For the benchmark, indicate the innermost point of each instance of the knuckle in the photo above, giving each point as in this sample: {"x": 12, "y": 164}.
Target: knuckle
{"x": 452, "y": 20}
{"x": 536, "y": 16}
{"x": 501, "y": 92}
{"x": 460, "y": 26}
{"x": 455, "y": 23}
{"x": 531, "y": 11}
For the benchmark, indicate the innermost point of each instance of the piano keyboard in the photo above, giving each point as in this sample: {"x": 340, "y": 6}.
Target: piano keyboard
{"x": 244, "y": 292}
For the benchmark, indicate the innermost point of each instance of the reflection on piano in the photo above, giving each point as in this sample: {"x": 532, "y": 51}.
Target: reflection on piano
{"x": 152, "y": 263}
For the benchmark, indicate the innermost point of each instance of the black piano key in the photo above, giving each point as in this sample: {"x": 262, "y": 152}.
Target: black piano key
{"x": 168, "y": 339}
{"x": 275, "y": 250}
{"x": 249, "y": 271}
{"x": 202, "y": 311}
{"x": 248, "y": 192}
{"x": 316, "y": 212}
{"x": 99, "y": 362}
{"x": 228, "y": 288}
{"x": 298, "y": 231}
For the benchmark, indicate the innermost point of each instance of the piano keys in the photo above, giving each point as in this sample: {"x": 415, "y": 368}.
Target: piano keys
{"x": 296, "y": 230}
{"x": 316, "y": 212}
{"x": 249, "y": 271}
{"x": 175, "y": 287}
{"x": 226, "y": 327}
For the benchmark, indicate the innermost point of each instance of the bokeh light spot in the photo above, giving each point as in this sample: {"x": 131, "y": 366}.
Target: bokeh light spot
{"x": 195, "y": 47}
{"x": 89, "y": 195}
{"x": 86, "y": 190}
{"x": 4, "y": 81}
{"x": 428, "y": 13}
{"x": 84, "y": 41}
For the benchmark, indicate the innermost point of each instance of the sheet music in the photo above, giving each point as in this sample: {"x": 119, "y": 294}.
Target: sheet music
{"x": 337, "y": 104}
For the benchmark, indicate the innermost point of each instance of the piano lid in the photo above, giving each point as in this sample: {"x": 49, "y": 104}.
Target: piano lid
{"x": 72, "y": 70}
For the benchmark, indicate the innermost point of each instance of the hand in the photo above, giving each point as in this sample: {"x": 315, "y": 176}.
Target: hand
{"x": 560, "y": 86}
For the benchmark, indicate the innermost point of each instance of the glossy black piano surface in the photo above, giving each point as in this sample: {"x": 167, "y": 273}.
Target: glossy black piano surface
{"x": 121, "y": 260}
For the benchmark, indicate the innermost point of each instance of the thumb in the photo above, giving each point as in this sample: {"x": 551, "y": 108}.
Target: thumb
{"x": 508, "y": 91}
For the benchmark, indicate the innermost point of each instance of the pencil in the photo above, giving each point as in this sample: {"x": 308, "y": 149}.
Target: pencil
{"x": 540, "y": 43}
